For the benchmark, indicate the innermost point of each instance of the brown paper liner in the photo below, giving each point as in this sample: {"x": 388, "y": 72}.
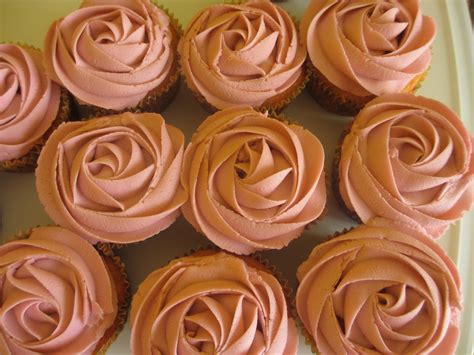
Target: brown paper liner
{"x": 118, "y": 274}
{"x": 341, "y": 102}
{"x": 157, "y": 99}
{"x": 335, "y": 178}
{"x": 274, "y": 104}
{"x": 28, "y": 162}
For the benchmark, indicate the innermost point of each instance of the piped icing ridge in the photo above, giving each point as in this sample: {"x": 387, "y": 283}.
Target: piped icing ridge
{"x": 56, "y": 294}
{"x": 368, "y": 47}
{"x": 253, "y": 182}
{"x": 241, "y": 54}
{"x": 111, "y": 55}
{"x": 408, "y": 158}
{"x": 215, "y": 304}
{"x": 114, "y": 178}
{"x": 381, "y": 288}
{"x": 29, "y": 101}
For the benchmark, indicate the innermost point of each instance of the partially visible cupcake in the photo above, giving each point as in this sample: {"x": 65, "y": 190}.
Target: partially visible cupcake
{"x": 409, "y": 159}
{"x": 113, "y": 179}
{"x": 243, "y": 54}
{"x": 31, "y": 106}
{"x": 359, "y": 49}
{"x": 380, "y": 289}
{"x": 212, "y": 303}
{"x": 59, "y": 295}
{"x": 115, "y": 56}
{"x": 253, "y": 182}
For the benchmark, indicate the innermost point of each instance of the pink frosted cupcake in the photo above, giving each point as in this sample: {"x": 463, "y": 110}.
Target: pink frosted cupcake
{"x": 254, "y": 182}
{"x": 59, "y": 295}
{"x": 212, "y": 303}
{"x": 380, "y": 289}
{"x": 361, "y": 49}
{"x": 31, "y": 106}
{"x": 243, "y": 54}
{"x": 113, "y": 179}
{"x": 409, "y": 159}
{"x": 115, "y": 56}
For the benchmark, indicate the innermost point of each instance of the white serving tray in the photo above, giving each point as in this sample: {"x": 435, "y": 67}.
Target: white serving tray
{"x": 450, "y": 81}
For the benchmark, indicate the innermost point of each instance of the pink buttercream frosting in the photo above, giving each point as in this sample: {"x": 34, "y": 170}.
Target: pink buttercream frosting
{"x": 215, "y": 304}
{"x": 380, "y": 288}
{"x": 29, "y": 101}
{"x": 241, "y": 54}
{"x": 56, "y": 295}
{"x": 408, "y": 159}
{"x": 111, "y": 53}
{"x": 114, "y": 178}
{"x": 254, "y": 182}
{"x": 368, "y": 47}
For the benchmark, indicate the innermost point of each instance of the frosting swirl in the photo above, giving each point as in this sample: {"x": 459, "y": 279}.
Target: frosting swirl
{"x": 56, "y": 295}
{"x": 111, "y": 54}
{"x": 215, "y": 304}
{"x": 368, "y": 47}
{"x": 380, "y": 289}
{"x": 29, "y": 101}
{"x": 254, "y": 182}
{"x": 408, "y": 159}
{"x": 241, "y": 54}
{"x": 114, "y": 178}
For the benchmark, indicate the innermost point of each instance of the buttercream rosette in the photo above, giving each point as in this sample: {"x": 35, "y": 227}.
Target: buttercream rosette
{"x": 211, "y": 303}
{"x": 114, "y": 55}
{"x": 254, "y": 182}
{"x": 57, "y": 295}
{"x": 243, "y": 54}
{"x": 113, "y": 179}
{"x": 381, "y": 288}
{"x": 29, "y": 105}
{"x": 407, "y": 158}
{"x": 360, "y": 49}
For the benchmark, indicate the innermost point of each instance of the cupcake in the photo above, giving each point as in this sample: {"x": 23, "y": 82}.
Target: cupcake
{"x": 408, "y": 159}
{"x": 211, "y": 303}
{"x": 380, "y": 289}
{"x": 253, "y": 182}
{"x": 31, "y": 106}
{"x": 362, "y": 49}
{"x": 113, "y": 179}
{"x": 59, "y": 295}
{"x": 243, "y": 54}
{"x": 115, "y": 56}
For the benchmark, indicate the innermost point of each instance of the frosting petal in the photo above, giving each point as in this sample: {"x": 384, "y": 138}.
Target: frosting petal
{"x": 56, "y": 295}
{"x": 241, "y": 54}
{"x": 408, "y": 159}
{"x": 380, "y": 288}
{"x": 111, "y": 55}
{"x": 211, "y": 304}
{"x": 368, "y": 47}
{"x": 253, "y": 182}
{"x": 113, "y": 178}
{"x": 29, "y": 101}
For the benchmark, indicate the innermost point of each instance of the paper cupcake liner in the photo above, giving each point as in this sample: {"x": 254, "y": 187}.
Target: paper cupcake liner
{"x": 341, "y": 102}
{"x": 118, "y": 274}
{"x": 330, "y": 97}
{"x": 274, "y": 104}
{"x": 335, "y": 178}
{"x": 28, "y": 162}
{"x": 158, "y": 99}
